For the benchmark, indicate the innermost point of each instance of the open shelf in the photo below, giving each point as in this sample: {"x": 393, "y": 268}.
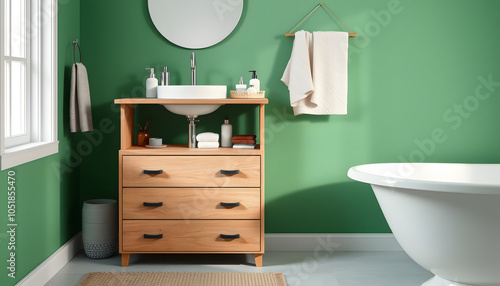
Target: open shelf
{"x": 127, "y": 122}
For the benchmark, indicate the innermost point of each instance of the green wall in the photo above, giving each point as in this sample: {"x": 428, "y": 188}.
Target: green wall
{"x": 417, "y": 92}
{"x": 48, "y": 196}
{"x": 411, "y": 68}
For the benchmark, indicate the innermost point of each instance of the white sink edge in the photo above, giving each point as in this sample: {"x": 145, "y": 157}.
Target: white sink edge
{"x": 192, "y": 91}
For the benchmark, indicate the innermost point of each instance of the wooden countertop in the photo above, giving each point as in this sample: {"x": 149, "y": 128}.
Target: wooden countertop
{"x": 143, "y": 100}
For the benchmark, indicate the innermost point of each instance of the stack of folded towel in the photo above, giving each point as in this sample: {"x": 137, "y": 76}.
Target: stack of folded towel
{"x": 244, "y": 141}
{"x": 208, "y": 140}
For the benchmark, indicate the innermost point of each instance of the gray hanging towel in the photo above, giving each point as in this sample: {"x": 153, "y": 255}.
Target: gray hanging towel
{"x": 80, "y": 113}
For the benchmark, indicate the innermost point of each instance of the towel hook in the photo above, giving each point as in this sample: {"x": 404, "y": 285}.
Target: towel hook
{"x": 75, "y": 44}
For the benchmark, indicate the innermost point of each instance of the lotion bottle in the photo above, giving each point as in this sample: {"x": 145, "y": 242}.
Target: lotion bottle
{"x": 226, "y": 134}
{"x": 151, "y": 84}
{"x": 255, "y": 82}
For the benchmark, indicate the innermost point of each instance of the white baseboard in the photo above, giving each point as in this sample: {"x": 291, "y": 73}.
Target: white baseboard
{"x": 48, "y": 268}
{"x": 331, "y": 242}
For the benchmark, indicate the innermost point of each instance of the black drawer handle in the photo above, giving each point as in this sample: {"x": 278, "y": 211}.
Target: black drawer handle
{"x": 153, "y": 236}
{"x": 152, "y": 204}
{"x": 229, "y": 236}
{"x": 229, "y": 172}
{"x": 153, "y": 172}
{"x": 237, "y": 204}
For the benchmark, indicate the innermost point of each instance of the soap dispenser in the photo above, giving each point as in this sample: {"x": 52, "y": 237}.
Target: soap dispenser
{"x": 165, "y": 77}
{"x": 226, "y": 134}
{"x": 151, "y": 84}
{"x": 241, "y": 86}
{"x": 255, "y": 82}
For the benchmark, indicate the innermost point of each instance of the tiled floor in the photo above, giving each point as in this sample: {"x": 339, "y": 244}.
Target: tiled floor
{"x": 300, "y": 268}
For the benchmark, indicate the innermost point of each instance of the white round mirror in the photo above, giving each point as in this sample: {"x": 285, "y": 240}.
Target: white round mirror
{"x": 195, "y": 24}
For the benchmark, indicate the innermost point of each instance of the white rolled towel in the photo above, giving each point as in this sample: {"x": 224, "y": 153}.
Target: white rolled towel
{"x": 202, "y": 144}
{"x": 244, "y": 146}
{"x": 207, "y": 137}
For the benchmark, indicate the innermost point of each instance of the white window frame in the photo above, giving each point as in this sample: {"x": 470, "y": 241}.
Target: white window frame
{"x": 41, "y": 87}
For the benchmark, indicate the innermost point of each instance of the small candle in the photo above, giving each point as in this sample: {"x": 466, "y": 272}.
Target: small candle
{"x": 155, "y": 141}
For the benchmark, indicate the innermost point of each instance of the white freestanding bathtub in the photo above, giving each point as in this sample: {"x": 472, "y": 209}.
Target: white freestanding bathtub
{"x": 445, "y": 216}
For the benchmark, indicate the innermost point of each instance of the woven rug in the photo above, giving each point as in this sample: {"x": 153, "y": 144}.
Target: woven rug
{"x": 182, "y": 279}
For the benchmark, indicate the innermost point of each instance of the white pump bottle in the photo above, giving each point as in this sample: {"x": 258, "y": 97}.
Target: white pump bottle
{"x": 255, "y": 82}
{"x": 151, "y": 84}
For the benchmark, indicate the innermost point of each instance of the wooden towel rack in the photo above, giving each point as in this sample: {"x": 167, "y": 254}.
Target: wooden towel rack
{"x": 291, "y": 34}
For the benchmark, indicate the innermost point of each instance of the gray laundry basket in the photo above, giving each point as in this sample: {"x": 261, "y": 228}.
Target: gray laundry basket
{"x": 100, "y": 228}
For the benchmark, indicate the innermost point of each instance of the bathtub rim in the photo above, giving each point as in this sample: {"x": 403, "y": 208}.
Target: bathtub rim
{"x": 359, "y": 173}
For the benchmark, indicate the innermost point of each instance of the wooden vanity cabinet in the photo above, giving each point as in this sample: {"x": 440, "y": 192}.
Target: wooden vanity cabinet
{"x": 189, "y": 200}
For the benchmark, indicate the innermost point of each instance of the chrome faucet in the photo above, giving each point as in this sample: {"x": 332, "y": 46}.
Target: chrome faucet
{"x": 193, "y": 69}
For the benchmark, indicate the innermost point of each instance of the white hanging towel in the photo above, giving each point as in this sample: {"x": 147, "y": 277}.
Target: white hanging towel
{"x": 316, "y": 74}
{"x": 80, "y": 114}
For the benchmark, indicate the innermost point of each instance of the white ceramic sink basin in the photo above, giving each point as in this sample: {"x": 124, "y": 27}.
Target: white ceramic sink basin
{"x": 201, "y": 92}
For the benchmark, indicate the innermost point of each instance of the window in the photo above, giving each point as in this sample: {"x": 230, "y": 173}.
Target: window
{"x": 28, "y": 80}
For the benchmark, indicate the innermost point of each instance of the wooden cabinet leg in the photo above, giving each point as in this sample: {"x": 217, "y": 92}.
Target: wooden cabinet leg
{"x": 258, "y": 260}
{"x": 125, "y": 259}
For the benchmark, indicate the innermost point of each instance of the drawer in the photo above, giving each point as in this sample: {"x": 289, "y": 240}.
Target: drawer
{"x": 191, "y": 235}
{"x": 191, "y": 171}
{"x": 191, "y": 203}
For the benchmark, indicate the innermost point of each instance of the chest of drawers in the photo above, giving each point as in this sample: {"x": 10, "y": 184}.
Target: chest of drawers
{"x": 182, "y": 200}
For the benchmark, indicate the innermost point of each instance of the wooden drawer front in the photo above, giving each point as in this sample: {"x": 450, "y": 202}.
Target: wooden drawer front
{"x": 191, "y": 203}
{"x": 191, "y": 171}
{"x": 191, "y": 236}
